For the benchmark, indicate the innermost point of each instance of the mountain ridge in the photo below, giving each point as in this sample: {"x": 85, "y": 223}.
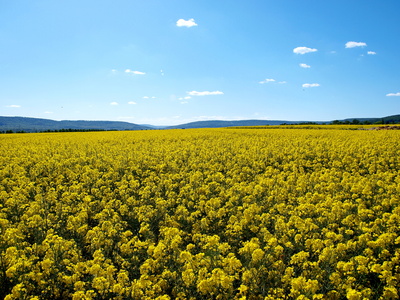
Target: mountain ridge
{"x": 27, "y": 124}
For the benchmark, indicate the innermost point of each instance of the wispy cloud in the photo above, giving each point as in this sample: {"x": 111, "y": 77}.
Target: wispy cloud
{"x": 184, "y": 102}
{"x": 48, "y": 112}
{"x": 305, "y": 66}
{"x": 393, "y": 94}
{"x": 205, "y": 93}
{"x": 129, "y": 71}
{"x": 308, "y": 85}
{"x": 132, "y": 102}
{"x": 13, "y": 106}
{"x": 184, "y": 23}
{"x": 303, "y": 50}
{"x": 267, "y": 80}
{"x": 185, "y": 98}
{"x": 371, "y": 53}
{"x": 114, "y": 103}
{"x": 355, "y": 44}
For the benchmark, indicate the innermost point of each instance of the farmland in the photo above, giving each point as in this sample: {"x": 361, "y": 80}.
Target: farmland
{"x": 201, "y": 214}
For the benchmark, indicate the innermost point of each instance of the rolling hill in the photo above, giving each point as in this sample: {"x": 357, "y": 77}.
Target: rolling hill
{"x": 24, "y": 124}
{"x": 218, "y": 123}
{"x": 36, "y": 125}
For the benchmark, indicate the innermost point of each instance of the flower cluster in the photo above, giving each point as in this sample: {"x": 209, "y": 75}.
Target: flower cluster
{"x": 200, "y": 214}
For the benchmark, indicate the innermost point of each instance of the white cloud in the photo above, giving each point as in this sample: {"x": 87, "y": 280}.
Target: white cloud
{"x": 13, "y": 106}
{"x": 308, "y": 85}
{"x": 185, "y": 98}
{"x": 132, "y": 102}
{"x": 146, "y": 97}
{"x": 371, "y": 52}
{"x": 184, "y": 102}
{"x": 303, "y": 50}
{"x": 271, "y": 80}
{"x": 355, "y": 44}
{"x": 114, "y": 103}
{"x": 134, "y": 72}
{"x": 304, "y": 66}
{"x": 267, "y": 80}
{"x": 48, "y": 112}
{"x": 393, "y": 95}
{"x": 184, "y": 23}
{"x": 205, "y": 93}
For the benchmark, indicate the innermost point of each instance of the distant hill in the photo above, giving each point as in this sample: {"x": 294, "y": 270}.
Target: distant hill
{"x": 153, "y": 126}
{"x": 217, "y": 123}
{"x": 18, "y": 124}
{"x": 36, "y": 125}
{"x": 394, "y": 119}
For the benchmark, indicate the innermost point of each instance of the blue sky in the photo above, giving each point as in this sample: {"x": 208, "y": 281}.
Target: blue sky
{"x": 166, "y": 62}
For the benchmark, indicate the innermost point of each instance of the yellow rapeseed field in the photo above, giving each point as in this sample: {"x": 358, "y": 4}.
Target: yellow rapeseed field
{"x": 201, "y": 214}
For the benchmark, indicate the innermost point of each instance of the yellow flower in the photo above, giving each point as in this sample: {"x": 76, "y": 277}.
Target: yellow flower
{"x": 257, "y": 255}
{"x": 353, "y": 295}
